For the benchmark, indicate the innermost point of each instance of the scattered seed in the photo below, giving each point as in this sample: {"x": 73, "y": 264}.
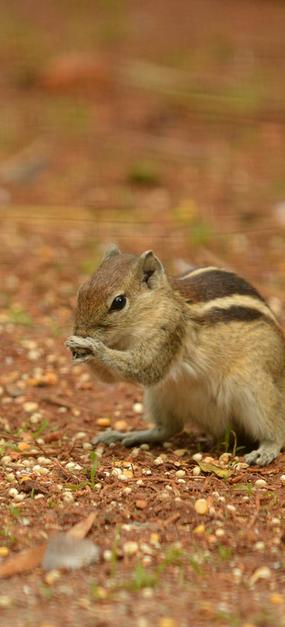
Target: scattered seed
{"x": 230, "y": 507}
{"x": 52, "y": 577}
{"x": 13, "y": 492}
{"x": 20, "y": 497}
{"x": 87, "y": 446}
{"x": 138, "y": 408}
{"x": 180, "y": 473}
{"x": 144, "y": 447}
{"x": 68, "y": 497}
{"x": 196, "y": 471}
{"x": 4, "y": 551}
{"x": 201, "y": 506}
{"x": 127, "y": 490}
{"x": 197, "y": 457}
{"x": 108, "y": 555}
{"x": 5, "y": 601}
{"x": 259, "y": 546}
{"x": 277, "y": 599}
{"x": 80, "y": 435}
{"x": 141, "y": 504}
{"x": 121, "y": 425}
{"x": 220, "y": 532}
{"x": 30, "y": 406}
{"x": 275, "y": 521}
{"x": 199, "y": 530}
{"x": 35, "y": 418}
{"x": 282, "y": 478}
{"x": 130, "y": 548}
{"x": 260, "y": 483}
{"x": 103, "y": 422}
{"x": 5, "y": 460}
{"x": 261, "y": 573}
{"x": 179, "y": 452}
{"x": 158, "y": 461}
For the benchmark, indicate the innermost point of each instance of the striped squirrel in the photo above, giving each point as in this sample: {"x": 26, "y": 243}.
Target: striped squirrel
{"x": 206, "y": 347}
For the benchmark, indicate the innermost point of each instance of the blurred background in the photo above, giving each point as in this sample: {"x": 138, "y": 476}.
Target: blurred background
{"x": 152, "y": 124}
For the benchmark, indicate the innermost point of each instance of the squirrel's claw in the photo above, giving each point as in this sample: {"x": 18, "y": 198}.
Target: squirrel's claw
{"x": 82, "y": 348}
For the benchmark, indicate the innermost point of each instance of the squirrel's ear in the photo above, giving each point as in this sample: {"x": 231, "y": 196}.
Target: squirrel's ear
{"x": 111, "y": 251}
{"x": 151, "y": 269}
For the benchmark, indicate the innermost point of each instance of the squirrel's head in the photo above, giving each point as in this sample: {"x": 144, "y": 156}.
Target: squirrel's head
{"x": 124, "y": 300}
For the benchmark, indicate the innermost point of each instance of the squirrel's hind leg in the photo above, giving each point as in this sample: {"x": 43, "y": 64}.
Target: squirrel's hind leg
{"x": 133, "y": 438}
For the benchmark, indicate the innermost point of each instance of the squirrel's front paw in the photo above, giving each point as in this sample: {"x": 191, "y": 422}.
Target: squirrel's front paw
{"x": 82, "y": 348}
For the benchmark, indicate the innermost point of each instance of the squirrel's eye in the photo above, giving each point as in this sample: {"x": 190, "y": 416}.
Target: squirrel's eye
{"x": 118, "y": 303}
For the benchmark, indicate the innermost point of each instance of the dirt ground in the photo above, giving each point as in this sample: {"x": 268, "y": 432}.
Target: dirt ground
{"x": 156, "y": 126}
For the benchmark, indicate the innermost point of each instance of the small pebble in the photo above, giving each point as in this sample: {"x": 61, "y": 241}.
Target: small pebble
{"x": 167, "y": 445}
{"x": 130, "y": 548}
{"x": 144, "y": 447}
{"x": 260, "y": 483}
{"x": 201, "y": 506}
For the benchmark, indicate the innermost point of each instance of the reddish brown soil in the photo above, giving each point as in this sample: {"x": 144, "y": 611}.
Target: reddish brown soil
{"x": 214, "y": 150}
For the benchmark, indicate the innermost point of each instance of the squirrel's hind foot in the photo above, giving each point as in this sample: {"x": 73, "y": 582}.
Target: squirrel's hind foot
{"x": 264, "y": 455}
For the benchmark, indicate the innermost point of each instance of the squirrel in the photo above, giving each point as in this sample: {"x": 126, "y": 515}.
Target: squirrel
{"x": 205, "y": 346}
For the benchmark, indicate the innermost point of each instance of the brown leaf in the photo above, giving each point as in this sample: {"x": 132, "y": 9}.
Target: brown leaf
{"x": 81, "y": 529}
{"x": 23, "y": 562}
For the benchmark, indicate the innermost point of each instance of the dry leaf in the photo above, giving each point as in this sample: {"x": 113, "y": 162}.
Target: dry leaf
{"x": 22, "y": 562}
{"x": 223, "y": 473}
{"x": 31, "y": 558}
{"x": 81, "y": 529}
